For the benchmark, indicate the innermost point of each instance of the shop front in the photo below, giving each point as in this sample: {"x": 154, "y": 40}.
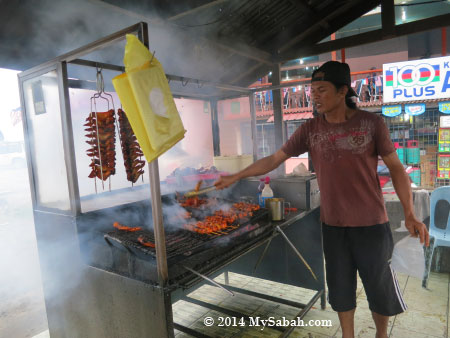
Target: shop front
{"x": 416, "y": 107}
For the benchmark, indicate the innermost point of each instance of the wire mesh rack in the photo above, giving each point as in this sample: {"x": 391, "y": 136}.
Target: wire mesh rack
{"x": 416, "y": 139}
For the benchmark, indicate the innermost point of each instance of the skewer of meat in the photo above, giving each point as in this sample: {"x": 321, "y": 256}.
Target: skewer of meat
{"x": 101, "y": 136}
{"x": 145, "y": 243}
{"x": 119, "y": 226}
{"x": 222, "y": 220}
{"x": 131, "y": 151}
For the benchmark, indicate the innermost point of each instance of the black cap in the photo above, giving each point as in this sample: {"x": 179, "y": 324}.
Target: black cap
{"x": 335, "y": 72}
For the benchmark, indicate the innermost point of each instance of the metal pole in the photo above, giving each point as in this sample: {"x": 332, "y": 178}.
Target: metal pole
{"x": 155, "y": 190}
{"x": 69, "y": 147}
{"x": 215, "y": 127}
{"x": 158, "y": 227}
{"x": 251, "y": 98}
{"x": 296, "y": 251}
{"x": 277, "y": 108}
{"x": 278, "y": 115}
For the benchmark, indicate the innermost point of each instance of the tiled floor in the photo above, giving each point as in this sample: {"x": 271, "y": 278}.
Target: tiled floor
{"x": 427, "y": 314}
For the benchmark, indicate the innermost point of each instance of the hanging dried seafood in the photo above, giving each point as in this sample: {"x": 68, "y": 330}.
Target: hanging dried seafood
{"x": 132, "y": 153}
{"x": 101, "y": 137}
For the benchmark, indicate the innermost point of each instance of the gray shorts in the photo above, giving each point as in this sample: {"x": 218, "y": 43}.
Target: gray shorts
{"x": 367, "y": 250}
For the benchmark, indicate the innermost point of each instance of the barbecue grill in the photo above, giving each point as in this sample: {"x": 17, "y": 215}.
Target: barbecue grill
{"x": 123, "y": 287}
{"x": 183, "y": 247}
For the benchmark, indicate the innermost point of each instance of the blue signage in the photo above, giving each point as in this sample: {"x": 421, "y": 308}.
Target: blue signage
{"x": 415, "y": 109}
{"x": 391, "y": 111}
{"x": 444, "y": 107}
{"x": 413, "y": 80}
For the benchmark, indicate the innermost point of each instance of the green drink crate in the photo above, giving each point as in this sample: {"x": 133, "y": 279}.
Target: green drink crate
{"x": 415, "y": 176}
{"x": 400, "y": 152}
{"x": 412, "y": 152}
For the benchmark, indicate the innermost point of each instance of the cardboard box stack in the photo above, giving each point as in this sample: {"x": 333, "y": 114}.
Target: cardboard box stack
{"x": 428, "y": 168}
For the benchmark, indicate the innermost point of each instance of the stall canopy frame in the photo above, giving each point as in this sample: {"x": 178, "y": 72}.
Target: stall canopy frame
{"x": 59, "y": 64}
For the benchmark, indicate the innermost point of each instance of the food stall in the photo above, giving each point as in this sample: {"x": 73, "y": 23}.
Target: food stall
{"x": 115, "y": 253}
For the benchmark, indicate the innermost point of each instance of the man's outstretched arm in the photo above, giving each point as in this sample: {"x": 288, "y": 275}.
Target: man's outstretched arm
{"x": 260, "y": 167}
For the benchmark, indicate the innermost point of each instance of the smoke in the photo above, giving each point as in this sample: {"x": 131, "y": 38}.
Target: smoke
{"x": 55, "y": 28}
{"x": 50, "y": 28}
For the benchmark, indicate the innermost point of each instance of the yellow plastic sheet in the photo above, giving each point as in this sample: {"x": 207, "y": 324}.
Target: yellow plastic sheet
{"x": 147, "y": 101}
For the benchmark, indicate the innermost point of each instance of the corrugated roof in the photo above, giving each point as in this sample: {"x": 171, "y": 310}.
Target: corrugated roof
{"x": 379, "y": 103}
{"x": 298, "y": 110}
{"x": 294, "y": 116}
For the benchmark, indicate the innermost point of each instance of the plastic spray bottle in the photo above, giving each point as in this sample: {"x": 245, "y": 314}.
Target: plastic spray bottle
{"x": 267, "y": 191}
{"x": 260, "y": 189}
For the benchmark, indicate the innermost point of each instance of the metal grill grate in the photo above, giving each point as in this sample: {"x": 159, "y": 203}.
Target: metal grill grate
{"x": 179, "y": 242}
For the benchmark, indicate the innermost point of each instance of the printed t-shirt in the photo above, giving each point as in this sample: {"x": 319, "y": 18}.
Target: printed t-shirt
{"x": 345, "y": 158}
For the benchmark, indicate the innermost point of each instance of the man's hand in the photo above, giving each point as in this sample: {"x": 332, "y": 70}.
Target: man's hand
{"x": 225, "y": 181}
{"x": 402, "y": 186}
{"x": 417, "y": 229}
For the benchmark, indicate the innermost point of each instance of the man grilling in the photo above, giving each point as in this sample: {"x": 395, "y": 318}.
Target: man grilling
{"x": 344, "y": 144}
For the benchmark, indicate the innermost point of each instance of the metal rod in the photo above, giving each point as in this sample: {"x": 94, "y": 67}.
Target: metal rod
{"x": 169, "y": 77}
{"x": 101, "y": 43}
{"x": 215, "y": 126}
{"x": 266, "y": 297}
{"x": 229, "y": 261}
{"x": 226, "y": 277}
{"x": 302, "y": 313}
{"x": 197, "y": 82}
{"x": 251, "y": 98}
{"x": 190, "y": 331}
{"x": 281, "y": 86}
{"x": 208, "y": 279}
{"x": 296, "y": 251}
{"x": 199, "y": 192}
{"x": 228, "y": 312}
{"x": 69, "y": 148}
{"x": 157, "y": 215}
{"x": 95, "y": 64}
{"x": 278, "y": 122}
{"x": 262, "y": 255}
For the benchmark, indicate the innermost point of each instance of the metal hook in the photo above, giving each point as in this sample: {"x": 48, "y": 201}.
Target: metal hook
{"x": 153, "y": 55}
{"x": 185, "y": 83}
{"x": 100, "y": 80}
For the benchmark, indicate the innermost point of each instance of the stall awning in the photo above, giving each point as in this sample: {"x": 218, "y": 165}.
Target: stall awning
{"x": 295, "y": 116}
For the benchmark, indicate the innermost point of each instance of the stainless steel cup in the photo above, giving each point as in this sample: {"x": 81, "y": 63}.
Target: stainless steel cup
{"x": 276, "y": 208}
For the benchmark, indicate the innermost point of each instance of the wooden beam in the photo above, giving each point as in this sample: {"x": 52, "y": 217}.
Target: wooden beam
{"x": 314, "y": 26}
{"x": 369, "y": 37}
{"x": 444, "y": 41}
{"x": 242, "y": 75}
{"x": 196, "y": 10}
{"x": 132, "y": 14}
{"x": 304, "y": 8}
{"x": 388, "y": 17}
{"x": 245, "y": 50}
